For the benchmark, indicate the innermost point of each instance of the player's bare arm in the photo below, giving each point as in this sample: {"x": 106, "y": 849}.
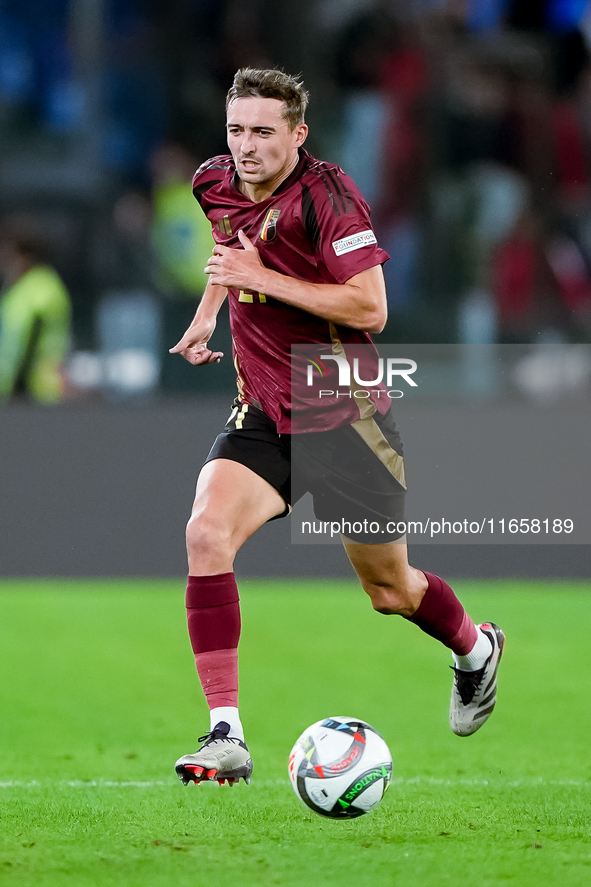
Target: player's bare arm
{"x": 194, "y": 344}
{"x": 360, "y": 303}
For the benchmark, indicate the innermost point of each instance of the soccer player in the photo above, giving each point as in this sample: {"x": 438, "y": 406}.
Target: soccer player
{"x": 297, "y": 258}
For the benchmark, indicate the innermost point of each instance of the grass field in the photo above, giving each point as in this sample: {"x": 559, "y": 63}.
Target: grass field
{"x": 99, "y": 698}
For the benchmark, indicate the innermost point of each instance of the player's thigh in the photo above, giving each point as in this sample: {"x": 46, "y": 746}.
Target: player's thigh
{"x": 232, "y": 501}
{"x": 393, "y": 585}
{"x": 356, "y": 477}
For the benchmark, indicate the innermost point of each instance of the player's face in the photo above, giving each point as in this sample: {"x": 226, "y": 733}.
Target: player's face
{"x": 264, "y": 148}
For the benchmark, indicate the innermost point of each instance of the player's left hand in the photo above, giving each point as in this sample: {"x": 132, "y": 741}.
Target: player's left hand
{"x": 236, "y": 268}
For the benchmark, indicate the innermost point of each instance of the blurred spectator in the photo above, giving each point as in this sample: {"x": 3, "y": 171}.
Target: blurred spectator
{"x": 540, "y": 283}
{"x": 35, "y": 316}
{"x": 362, "y": 48}
{"x": 129, "y": 310}
{"x": 124, "y": 255}
{"x": 383, "y": 64}
{"x": 36, "y": 78}
{"x": 572, "y": 274}
{"x": 132, "y": 93}
{"x": 452, "y": 117}
{"x": 180, "y": 232}
{"x": 404, "y": 82}
{"x": 520, "y": 279}
{"x": 182, "y": 240}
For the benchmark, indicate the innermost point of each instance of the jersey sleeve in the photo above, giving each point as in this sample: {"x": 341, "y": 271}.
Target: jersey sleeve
{"x": 337, "y": 220}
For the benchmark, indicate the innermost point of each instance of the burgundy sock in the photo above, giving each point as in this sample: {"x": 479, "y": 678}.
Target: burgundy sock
{"x": 213, "y": 617}
{"x": 441, "y": 615}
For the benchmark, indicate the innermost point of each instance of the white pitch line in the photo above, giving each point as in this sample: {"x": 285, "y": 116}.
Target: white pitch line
{"x": 108, "y": 783}
{"x": 529, "y": 782}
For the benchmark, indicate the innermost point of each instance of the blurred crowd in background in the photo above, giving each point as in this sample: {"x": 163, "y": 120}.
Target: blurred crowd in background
{"x": 465, "y": 123}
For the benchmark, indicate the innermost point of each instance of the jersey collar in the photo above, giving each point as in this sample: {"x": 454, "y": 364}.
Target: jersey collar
{"x": 295, "y": 174}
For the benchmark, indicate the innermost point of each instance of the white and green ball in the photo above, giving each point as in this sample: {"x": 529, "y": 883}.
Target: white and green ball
{"x": 340, "y": 768}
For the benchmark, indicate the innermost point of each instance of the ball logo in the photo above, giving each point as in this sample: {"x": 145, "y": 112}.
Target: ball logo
{"x": 366, "y": 780}
{"x": 319, "y": 795}
{"x": 350, "y": 759}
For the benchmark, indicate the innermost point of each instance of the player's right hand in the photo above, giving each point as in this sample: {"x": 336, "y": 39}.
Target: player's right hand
{"x": 194, "y": 348}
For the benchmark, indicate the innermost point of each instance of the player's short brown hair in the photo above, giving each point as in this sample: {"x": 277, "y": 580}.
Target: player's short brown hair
{"x": 271, "y": 83}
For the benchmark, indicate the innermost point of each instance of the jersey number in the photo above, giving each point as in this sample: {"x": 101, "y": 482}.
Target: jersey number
{"x": 249, "y": 297}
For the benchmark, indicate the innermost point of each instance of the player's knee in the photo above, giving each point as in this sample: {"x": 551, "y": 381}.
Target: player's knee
{"x": 385, "y": 609}
{"x": 385, "y": 606}
{"x": 390, "y": 600}
{"x": 206, "y": 538}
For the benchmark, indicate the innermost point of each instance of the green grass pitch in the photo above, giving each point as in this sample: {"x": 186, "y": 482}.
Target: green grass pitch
{"x": 99, "y": 697}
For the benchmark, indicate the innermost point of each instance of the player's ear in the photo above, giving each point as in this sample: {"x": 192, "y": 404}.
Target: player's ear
{"x": 301, "y": 133}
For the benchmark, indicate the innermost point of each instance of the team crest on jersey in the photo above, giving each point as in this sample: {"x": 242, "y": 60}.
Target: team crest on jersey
{"x": 269, "y": 226}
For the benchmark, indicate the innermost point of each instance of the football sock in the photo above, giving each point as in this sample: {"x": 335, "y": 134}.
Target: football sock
{"x": 441, "y": 615}
{"x": 213, "y": 617}
{"x": 477, "y": 656}
{"x": 230, "y": 715}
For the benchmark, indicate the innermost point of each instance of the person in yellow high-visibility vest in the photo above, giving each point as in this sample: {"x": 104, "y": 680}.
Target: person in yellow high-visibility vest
{"x": 181, "y": 235}
{"x": 182, "y": 242}
{"x": 35, "y": 319}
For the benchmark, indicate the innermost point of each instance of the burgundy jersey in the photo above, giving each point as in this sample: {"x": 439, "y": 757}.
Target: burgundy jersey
{"x": 314, "y": 227}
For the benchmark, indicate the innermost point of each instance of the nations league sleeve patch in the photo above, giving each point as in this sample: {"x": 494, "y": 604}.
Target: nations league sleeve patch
{"x": 356, "y": 241}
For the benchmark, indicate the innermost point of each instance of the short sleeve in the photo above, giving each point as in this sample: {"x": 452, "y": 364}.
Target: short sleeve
{"x": 339, "y": 217}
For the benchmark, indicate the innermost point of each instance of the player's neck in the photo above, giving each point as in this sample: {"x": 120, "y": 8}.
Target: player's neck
{"x": 259, "y": 191}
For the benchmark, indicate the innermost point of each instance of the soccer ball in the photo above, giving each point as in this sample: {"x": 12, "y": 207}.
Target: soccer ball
{"x": 340, "y": 767}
